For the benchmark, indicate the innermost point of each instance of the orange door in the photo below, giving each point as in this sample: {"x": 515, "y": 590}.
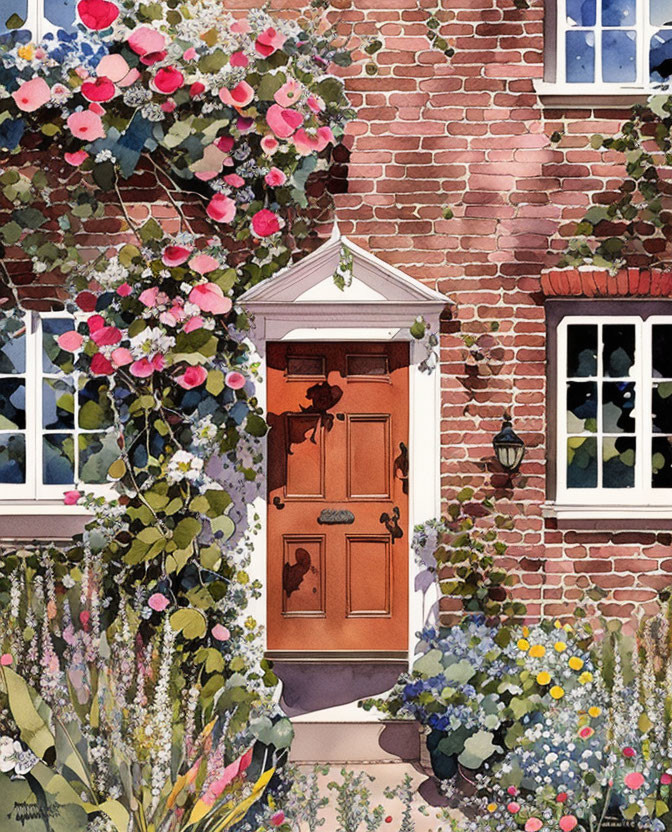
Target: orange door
{"x": 338, "y": 497}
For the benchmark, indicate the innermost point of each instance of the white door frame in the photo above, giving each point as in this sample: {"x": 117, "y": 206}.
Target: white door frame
{"x": 360, "y": 318}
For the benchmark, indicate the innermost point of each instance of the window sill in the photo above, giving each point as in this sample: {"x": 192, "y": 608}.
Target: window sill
{"x": 563, "y": 512}
{"x": 41, "y": 520}
{"x": 586, "y": 95}
{"x": 40, "y": 508}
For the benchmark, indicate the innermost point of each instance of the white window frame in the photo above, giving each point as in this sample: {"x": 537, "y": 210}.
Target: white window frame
{"x": 642, "y": 494}
{"x": 36, "y": 20}
{"x": 34, "y": 490}
{"x": 555, "y": 82}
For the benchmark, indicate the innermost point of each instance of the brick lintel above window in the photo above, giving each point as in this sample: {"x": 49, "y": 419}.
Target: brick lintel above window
{"x": 586, "y": 282}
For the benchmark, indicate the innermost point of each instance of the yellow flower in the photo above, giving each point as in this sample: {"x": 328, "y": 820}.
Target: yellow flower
{"x": 557, "y": 625}
{"x": 594, "y": 711}
{"x": 543, "y": 678}
{"x": 560, "y": 646}
{"x": 492, "y": 807}
{"x": 568, "y": 628}
{"x": 537, "y": 651}
{"x": 575, "y": 663}
{"x": 26, "y": 52}
{"x": 523, "y": 644}
{"x": 586, "y": 677}
{"x": 557, "y": 692}
{"x": 526, "y": 631}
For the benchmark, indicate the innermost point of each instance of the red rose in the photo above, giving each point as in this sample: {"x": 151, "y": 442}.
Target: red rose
{"x": 196, "y": 89}
{"x": 561, "y": 797}
{"x": 97, "y": 14}
{"x": 167, "y": 80}
{"x": 192, "y": 377}
{"x": 102, "y": 89}
{"x": 100, "y": 366}
{"x": 265, "y": 223}
{"x": 86, "y": 301}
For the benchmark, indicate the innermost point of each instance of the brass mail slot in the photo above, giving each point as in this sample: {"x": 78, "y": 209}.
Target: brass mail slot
{"x": 334, "y": 516}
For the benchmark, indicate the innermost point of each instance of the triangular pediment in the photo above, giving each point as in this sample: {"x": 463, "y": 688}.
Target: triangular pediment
{"x": 311, "y": 281}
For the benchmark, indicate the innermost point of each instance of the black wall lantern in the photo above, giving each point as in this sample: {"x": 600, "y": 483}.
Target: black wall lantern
{"x": 509, "y": 447}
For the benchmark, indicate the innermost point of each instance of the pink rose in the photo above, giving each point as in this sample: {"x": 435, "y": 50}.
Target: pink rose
{"x": 240, "y": 27}
{"x": 239, "y": 59}
{"x": 175, "y": 255}
{"x": 269, "y": 144}
{"x": 234, "y": 180}
{"x": 100, "y": 366}
{"x": 196, "y": 89}
{"x": 533, "y": 825}
{"x": 86, "y": 125}
{"x": 289, "y": 93}
{"x": 221, "y": 208}
{"x": 234, "y": 380}
{"x": 143, "y": 368}
{"x": 76, "y": 159}
{"x": 149, "y": 296}
{"x": 169, "y": 106}
{"x": 158, "y": 602}
{"x": 102, "y": 89}
{"x": 121, "y": 357}
{"x": 225, "y": 144}
{"x": 628, "y": 751}
{"x": 95, "y": 322}
{"x": 113, "y": 67}
{"x": 6, "y": 659}
{"x": 278, "y": 818}
{"x": 190, "y": 54}
{"x": 513, "y": 807}
{"x": 106, "y": 336}
{"x": 203, "y": 263}
{"x": 70, "y": 341}
{"x": 275, "y": 177}
{"x": 265, "y": 223}
{"x": 124, "y": 290}
{"x": 283, "y": 122}
{"x": 567, "y": 823}
{"x": 31, "y": 95}
{"x": 192, "y": 377}
{"x": 167, "y": 80}
{"x": 634, "y": 780}
{"x": 146, "y": 41}
{"x": 315, "y": 103}
{"x": 269, "y": 41}
{"x": 210, "y": 298}
{"x": 512, "y": 790}
{"x": 306, "y": 144}
{"x": 70, "y": 498}
{"x": 194, "y": 323}
{"x": 97, "y": 14}
{"x": 666, "y": 779}
{"x": 220, "y": 632}
{"x": 244, "y": 124}
{"x": 240, "y": 96}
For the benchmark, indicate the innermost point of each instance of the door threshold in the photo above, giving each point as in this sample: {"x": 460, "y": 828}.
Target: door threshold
{"x": 337, "y": 655}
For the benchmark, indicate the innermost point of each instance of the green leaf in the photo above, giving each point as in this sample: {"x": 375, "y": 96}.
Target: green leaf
{"x": 477, "y": 749}
{"x": 151, "y": 230}
{"x": 215, "y": 382}
{"x": 33, "y": 729}
{"x": 218, "y": 501}
{"x": 29, "y": 217}
{"x": 270, "y": 84}
{"x": 185, "y": 531}
{"x": 430, "y": 664}
{"x": 14, "y": 22}
{"x": 11, "y": 233}
{"x": 255, "y": 425}
{"x": 190, "y": 622}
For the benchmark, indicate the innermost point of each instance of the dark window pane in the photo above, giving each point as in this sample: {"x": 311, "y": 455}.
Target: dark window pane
{"x": 619, "y": 13}
{"x": 661, "y": 407}
{"x": 11, "y": 7}
{"x": 581, "y": 350}
{"x": 13, "y": 352}
{"x": 305, "y": 365}
{"x": 580, "y": 61}
{"x": 367, "y": 365}
{"x": 54, "y": 359}
{"x": 582, "y": 462}
{"x": 661, "y": 12}
{"x": 58, "y": 455}
{"x": 661, "y": 348}
{"x": 97, "y": 451}
{"x": 581, "y": 406}
{"x": 618, "y": 462}
{"x": 95, "y": 407}
{"x": 618, "y": 402}
{"x": 60, "y": 12}
{"x": 12, "y": 404}
{"x": 618, "y": 354}
{"x": 661, "y": 462}
{"x": 58, "y": 404}
{"x": 12, "y": 458}
{"x": 580, "y": 12}
{"x": 619, "y": 56}
{"x": 660, "y": 57}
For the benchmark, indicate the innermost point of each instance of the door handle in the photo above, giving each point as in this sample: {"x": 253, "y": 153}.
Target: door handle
{"x": 400, "y": 467}
{"x": 277, "y": 502}
{"x": 391, "y": 523}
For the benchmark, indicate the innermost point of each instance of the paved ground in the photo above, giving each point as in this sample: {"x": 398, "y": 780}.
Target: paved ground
{"x": 391, "y": 775}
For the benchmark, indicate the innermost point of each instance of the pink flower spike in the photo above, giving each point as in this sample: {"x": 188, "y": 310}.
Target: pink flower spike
{"x": 76, "y": 159}
{"x": 567, "y": 823}
{"x": 146, "y": 41}
{"x": 210, "y": 298}
{"x": 241, "y": 27}
{"x": 149, "y": 296}
{"x": 239, "y": 59}
{"x": 143, "y": 368}
{"x": 306, "y": 144}
{"x": 31, "y": 95}
{"x": 265, "y": 223}
{"x": 283, "y": 122}
{"x": 124, "y": 290}
{"x": 175, "y": 255}
{"x": 158, "y": 602}
{"x": 159, "y": 362}
{"x": 203, "y": 263}
{"x": 512, "y": 790}
{"x": 220, "y": 632}
{"x": 240, "y": 96}
{"x": 289, "y": 93}
{"x": 629, "y": 752}
{"x": 513, "y": 807}
{"x": 634, "y": 780}
{"x": 234, "y": 180}
{"x": 244, "y": 125}
{"x": 6, "y": 659}
{"x": 221, "y": 208}
{"x": 192, "y": 377}
{"x": 666, "y": 779}
{"x": 194, "y": 323}
{"x": 190, "y": 54}
{"x": 70, "y": 341}
{"x": 70, "y": 498}
{"x": 278, "y": 818}
{"x": 86, "y": 125}
{"x": 533, "y": 825}
{"x": 169, "y": 106}
{"x": 269, "y": 144}
{"x": 121, "y": 357}
{"x": 275, "y": 177}
{"x": 269, "y": 41}
{"x": 234, "y": 380}
{"x": 315, "y": 103}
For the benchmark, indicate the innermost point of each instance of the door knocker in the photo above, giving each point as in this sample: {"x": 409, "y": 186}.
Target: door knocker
{"x": 392, "y": 523}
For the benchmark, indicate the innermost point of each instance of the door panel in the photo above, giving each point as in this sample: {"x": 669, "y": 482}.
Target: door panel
{"x": 337, "y": 499}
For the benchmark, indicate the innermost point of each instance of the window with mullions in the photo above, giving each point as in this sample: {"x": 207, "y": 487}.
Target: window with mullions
{"x": 615, "y": 410}
{"x": 623, "y": 43}
{"x": 56, "y": 424}
{"x": 39, "y": 16}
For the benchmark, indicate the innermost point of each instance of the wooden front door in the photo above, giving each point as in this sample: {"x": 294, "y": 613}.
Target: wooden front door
{"x": 338, "y": 543}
